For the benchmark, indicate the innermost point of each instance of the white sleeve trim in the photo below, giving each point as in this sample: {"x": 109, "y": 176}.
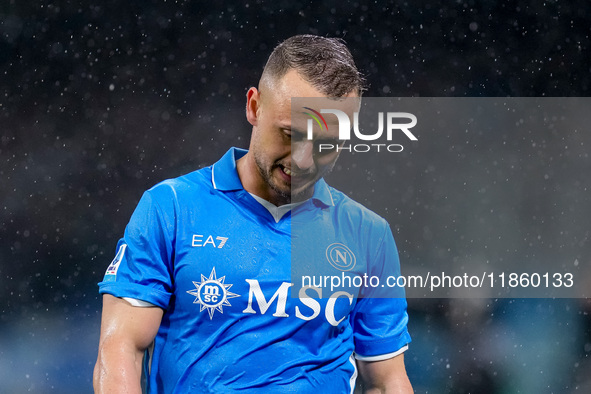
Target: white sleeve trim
{"x": 381, "y": 357}
{"x": 138, "y": 303}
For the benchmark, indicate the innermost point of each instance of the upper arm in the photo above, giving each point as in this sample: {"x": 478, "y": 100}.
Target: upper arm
{"x": 385, "y": 376}
{"x": 125, "y": 323}
{"x": 126, "y": 332}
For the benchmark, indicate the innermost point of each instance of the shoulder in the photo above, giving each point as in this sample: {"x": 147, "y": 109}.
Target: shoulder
{"x": 346, "y": 207}
{"x": 360, "y": 221}
{"x": 190, "y": 185}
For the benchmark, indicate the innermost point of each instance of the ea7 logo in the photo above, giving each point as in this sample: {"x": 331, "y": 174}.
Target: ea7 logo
{"x": 217, "y": 242}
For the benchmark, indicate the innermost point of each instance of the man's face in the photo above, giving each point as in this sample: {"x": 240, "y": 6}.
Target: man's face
{"x": 288, "y": 163}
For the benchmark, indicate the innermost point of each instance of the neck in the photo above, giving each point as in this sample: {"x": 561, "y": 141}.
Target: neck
{"x": 252, "y": 181}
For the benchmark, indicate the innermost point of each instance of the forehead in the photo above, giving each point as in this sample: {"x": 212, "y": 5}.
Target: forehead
{"x": 296, "y": 102}
{"x": 322, "y": 114}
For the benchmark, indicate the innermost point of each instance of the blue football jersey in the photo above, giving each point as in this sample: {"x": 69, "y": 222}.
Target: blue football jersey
{"x": 228, "y": 276}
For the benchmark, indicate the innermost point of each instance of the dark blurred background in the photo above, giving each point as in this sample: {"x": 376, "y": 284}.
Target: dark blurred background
{"x": 101, "y": 100}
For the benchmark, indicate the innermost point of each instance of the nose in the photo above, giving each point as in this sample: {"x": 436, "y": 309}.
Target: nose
{"x": 302, "y": 154}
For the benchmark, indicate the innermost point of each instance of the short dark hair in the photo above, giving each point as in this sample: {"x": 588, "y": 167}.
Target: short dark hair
{"x": 325, "y": 63}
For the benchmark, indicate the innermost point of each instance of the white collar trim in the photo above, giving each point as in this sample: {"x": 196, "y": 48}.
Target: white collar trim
{"x": 275, "y": 211}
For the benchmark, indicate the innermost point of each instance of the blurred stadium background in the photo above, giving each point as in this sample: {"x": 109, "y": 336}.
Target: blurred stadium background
{"x": 101, "y": 100}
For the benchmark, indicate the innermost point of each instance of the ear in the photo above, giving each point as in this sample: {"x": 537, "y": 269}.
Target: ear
{"x": 253, "y": 103}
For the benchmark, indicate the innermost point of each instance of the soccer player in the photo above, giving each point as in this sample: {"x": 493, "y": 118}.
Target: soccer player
{"x": 198, "y": 299}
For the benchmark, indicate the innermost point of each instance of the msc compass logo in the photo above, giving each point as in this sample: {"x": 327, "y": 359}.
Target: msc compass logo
{"x": 212, "y": 294}
{"x": 394, "y": 122}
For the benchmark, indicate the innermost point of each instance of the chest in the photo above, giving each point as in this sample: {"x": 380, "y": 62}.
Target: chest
{"x": 234, "y": 265}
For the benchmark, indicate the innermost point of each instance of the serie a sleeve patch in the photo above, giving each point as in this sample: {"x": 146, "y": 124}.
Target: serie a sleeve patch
{"x": 112, "y": 269}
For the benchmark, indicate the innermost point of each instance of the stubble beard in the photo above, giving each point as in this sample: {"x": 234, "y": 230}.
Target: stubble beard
{"x": 266, "y": 173}
{"x": 286, "y": 196}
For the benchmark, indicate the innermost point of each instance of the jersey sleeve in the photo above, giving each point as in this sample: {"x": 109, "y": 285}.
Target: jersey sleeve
{"x": 380, "y": 317}
{"x": 142, "y": 266}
